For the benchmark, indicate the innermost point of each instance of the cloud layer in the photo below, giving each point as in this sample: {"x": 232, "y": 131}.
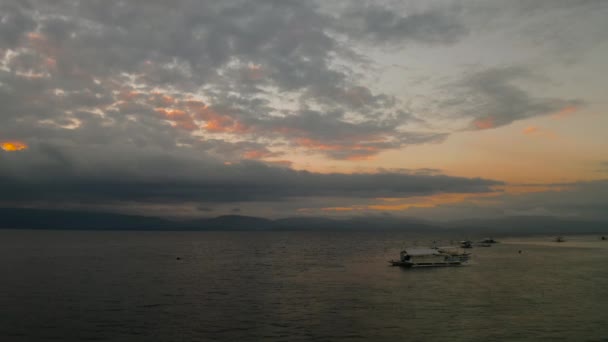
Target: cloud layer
{"x": 212, "y": 101}
{"x": 42, "y": 173}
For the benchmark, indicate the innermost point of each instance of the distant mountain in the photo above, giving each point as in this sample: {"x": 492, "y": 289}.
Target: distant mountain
{"x": 19, "y": 218}
{"x": 60, "y": 219}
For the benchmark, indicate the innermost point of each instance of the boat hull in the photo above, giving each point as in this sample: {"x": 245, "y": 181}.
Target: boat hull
{"x": 424, "y": 264}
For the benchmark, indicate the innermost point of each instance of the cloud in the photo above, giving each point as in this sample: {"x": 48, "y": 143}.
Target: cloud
{"x": 117, "y": 174}
{"x": 13, "y": 146}
{"x": 15, "y": 23}
{"x": 203, "y": 101}
{"x": 602, "y": 166}
{"x": 493, "y": 98}
{"x": 582, "y": 200}
{"x": 237, "y": 71}
{"x": 530, "y": 130}
{"x": 386, "y": 24}
{"x": 563, "y": 31}
{"x": 539, "y": 132}
{"x": 586, "y": 199}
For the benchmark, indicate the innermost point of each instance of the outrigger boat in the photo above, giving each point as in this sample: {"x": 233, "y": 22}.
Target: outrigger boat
{"x": 466, "y": 244}
{"x": 430, "y": 257}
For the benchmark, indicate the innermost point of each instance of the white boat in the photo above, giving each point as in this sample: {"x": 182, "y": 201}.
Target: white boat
{"x": 431, "y": 257}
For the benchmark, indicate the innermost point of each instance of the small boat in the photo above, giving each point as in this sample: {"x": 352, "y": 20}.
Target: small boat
{"x": 559, "y": 239}
{"x": 488, "y": 240}
{"x": 430, "y": 257}
{"x": 466, "y": 244}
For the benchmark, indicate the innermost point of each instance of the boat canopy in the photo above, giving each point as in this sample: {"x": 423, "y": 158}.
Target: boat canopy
{"x": 420, "y": 251}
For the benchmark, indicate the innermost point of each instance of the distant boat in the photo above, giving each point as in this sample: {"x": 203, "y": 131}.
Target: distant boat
{"x": 466, "y": 244}
{"x": 559, "y": 239}
{"x": 488, "y": 240}
{"x": 430, "y": 257}
{"x": 603, "y": 238}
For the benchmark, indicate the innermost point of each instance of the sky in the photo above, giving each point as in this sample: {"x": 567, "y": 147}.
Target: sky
{"x": 438, "y": 110}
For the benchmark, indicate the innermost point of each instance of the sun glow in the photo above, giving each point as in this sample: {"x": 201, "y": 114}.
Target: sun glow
{"x": 13, "y": 146}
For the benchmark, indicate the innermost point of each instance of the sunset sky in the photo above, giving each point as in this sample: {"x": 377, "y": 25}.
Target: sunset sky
{"x": 431, "y": 109}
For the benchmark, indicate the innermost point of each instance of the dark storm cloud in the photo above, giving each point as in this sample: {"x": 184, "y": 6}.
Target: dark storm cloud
{"x": 113, "y": 174}
{"x": 493, "y": 98}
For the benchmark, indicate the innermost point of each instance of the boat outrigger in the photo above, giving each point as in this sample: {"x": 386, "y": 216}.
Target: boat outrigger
{"x": 431, "y": 257}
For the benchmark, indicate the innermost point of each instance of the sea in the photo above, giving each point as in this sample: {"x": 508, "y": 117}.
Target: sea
{"x": 295, "y": 286}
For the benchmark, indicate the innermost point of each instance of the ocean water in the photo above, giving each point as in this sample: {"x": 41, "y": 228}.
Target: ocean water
{"x": 294, "y": 286}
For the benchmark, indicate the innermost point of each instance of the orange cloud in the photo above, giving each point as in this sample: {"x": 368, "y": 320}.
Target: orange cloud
{"x": 395, "y": 204}
{"x": 565, "y": 112}
{"x": 530, "y": 130}
{"x": 537, "y": 131}
{"x": 179, "y": 118}
{"x": 317, "y": 145}
{"x": 354, "y": 152}
{"x": 216, "y": 122}
{"x": 13, "y": 146}
{"x": 484, "y": 123}
{"x": 171, "y": 113}
{"x": 35, "y": 36}
{"x": 257, "y": 154}
{"x": 198, "y": 110}
{"x": 431, "y": 201}
{"x": 163, "y": 99}
{"x": 186, "y": 124}
{"x": 128, "y": 95}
